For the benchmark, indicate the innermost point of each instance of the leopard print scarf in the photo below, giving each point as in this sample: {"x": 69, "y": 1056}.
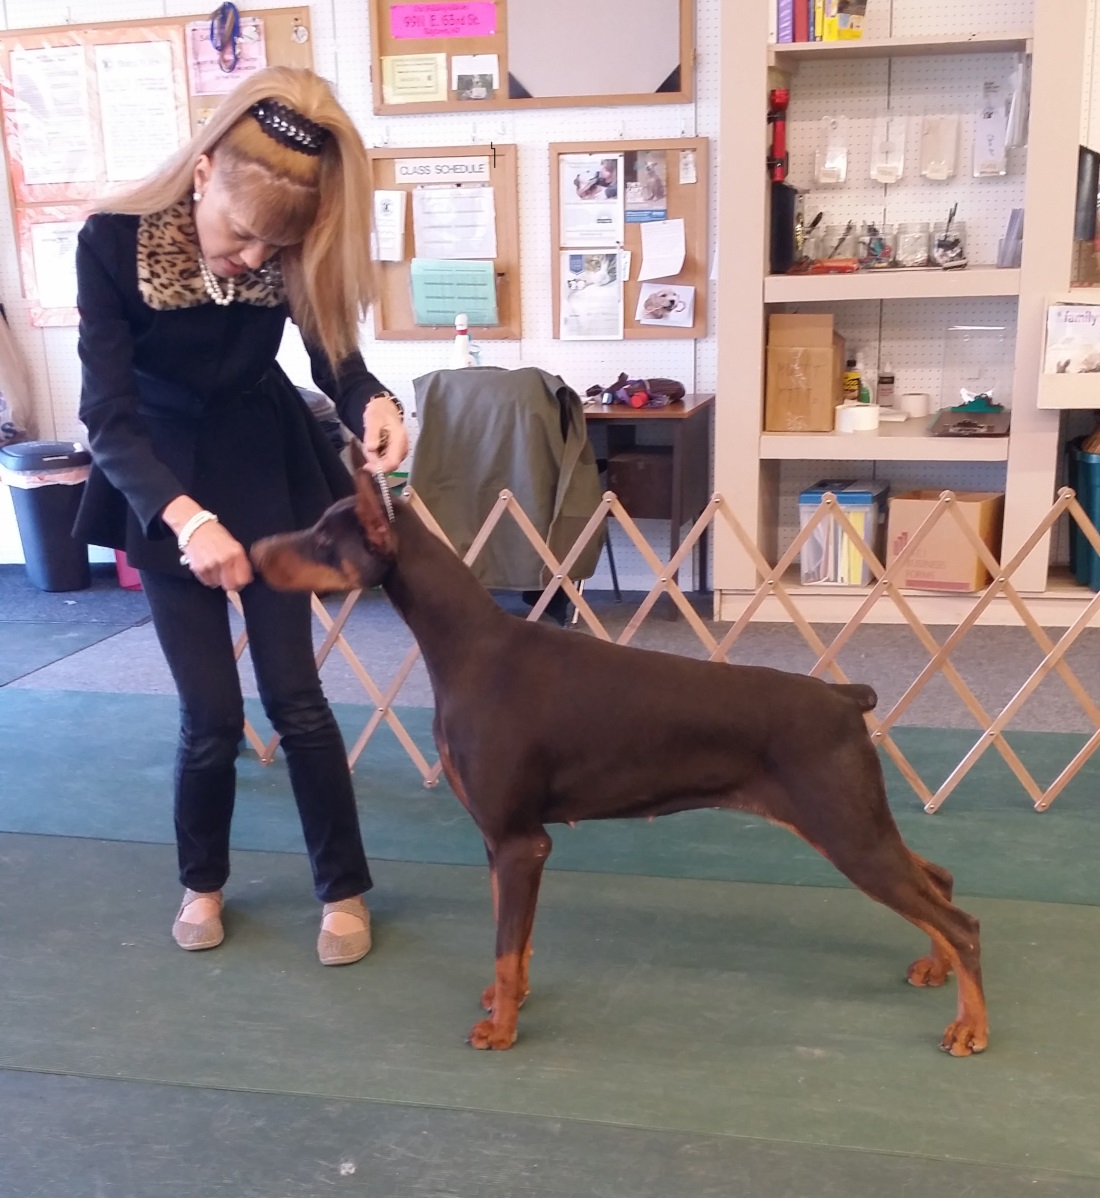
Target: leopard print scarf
{"x": 168, "y": 265}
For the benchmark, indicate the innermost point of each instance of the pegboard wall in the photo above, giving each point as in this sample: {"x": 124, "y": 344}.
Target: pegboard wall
{"x": 341, "y": 50}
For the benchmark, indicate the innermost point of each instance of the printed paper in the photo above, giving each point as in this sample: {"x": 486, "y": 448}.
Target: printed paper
{"x": 475, "y": 76}
{"x": 592, "y": 211}
{"x": 646, "y": 186}
{"x": 203, "y": 61}
{"x": 441, "y": 290}
{"x": 470, "y": 18}
{"x": 455, "y": 222}
{"x": 591, "y": 296}
{"x": 664, "y": 249}
{"x": 52, "y": 119}
{"x": 414, "y": 78}
{"x": 667, "y": 304}
{"x": 139, "y": 110}
{"x": 389, "y": 225}
{"x": 53, "y": 251}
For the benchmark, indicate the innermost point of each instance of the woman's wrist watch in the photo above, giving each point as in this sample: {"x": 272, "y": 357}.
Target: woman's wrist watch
{"x": 392, "y": 398}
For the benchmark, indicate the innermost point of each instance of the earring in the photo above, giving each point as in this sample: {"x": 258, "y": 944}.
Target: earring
{"x": 196, "y": 196}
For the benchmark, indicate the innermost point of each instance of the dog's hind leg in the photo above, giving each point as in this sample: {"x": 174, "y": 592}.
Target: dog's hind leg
{"x": 934, "y": 969}
{"x": 888, "y": 872}
{"x": 518, "y": 863}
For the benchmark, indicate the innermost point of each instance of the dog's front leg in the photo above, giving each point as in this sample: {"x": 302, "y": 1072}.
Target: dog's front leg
{"x": 517, "y": 868}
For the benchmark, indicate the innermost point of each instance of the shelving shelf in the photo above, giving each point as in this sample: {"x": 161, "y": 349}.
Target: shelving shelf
{"x": 1058, "y": 605}
{"x": 898, "y": 47}
{"x": 908, "y": 442}
{"x": 897, "y": 283}
{"x": 756, "y": 470}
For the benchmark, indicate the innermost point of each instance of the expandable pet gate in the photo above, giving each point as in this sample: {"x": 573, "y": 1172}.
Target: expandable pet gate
{"x": 991, "y": 727}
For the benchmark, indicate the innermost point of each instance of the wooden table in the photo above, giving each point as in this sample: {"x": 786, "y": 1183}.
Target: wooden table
{"x": 674, "y": 483}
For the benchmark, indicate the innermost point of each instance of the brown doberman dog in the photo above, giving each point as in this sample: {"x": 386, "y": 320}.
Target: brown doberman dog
{"x": 539, "y": 726}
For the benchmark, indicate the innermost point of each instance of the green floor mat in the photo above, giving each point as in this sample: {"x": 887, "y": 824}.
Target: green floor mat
{"x": 29, "y": 646}
{"x": 708, "y": 1008}
{"x": 87, "y": 764}
{"x": 69, "y": 1137}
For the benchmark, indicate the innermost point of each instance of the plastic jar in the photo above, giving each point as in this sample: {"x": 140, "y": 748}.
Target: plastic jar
{"x": 914, "y": 243}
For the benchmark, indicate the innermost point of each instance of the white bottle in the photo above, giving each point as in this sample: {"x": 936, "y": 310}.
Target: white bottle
{"x": 462, "y": 352}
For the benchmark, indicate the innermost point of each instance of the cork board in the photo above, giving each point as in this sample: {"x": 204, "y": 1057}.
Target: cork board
{"x": 391, "y": 170}
{"x": 682, "y": 200}
{"x": 68, "y": 70}
{"x": 569, "y": 53}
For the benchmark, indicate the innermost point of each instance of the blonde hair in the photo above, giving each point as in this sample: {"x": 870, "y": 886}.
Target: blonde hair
{"x": 318, "y": 207}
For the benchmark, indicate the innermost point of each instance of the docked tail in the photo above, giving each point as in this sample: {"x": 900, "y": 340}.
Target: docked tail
{"x": 863, "y": 696}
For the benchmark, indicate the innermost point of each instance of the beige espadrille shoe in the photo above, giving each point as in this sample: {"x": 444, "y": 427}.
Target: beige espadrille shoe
{"x": 346, "y": 947}
{"x": 208, "y": 933}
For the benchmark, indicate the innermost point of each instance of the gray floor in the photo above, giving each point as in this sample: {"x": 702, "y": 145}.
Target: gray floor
{"x": 116, "y": 650}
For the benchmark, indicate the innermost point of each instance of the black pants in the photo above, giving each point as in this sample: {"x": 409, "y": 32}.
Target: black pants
{"x": 192, "y": 624}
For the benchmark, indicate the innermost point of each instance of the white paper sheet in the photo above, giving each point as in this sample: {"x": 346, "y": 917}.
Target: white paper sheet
{"x": 54, "y": 126}
{"x": 475, "y": 76}
{"x": 664, "y": 248}
{"x": 389, "y": 225}
{"x": 137, "y": 108}
{"x": 668, "y": 304}
{"x": 454, "y": 222}
{"x": 591, "y": 296}
{"x": 592, "y": 208}
{"x": 53, "y": 249}
{"x": 203, "y": 66}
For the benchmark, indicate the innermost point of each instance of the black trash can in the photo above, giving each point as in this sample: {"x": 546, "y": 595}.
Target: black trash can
{"x": 47, "y": 482}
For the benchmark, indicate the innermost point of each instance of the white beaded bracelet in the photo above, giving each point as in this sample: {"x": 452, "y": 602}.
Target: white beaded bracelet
{"x": 190, "y": 528}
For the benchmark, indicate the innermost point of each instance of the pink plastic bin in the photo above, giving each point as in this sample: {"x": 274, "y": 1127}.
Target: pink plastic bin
{"x": 128, "y": 577}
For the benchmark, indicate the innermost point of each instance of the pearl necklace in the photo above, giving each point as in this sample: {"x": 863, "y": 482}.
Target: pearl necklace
{"x": 213, "y": 289}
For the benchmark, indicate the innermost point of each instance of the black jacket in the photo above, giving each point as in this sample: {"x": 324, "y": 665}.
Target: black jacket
{"x": 182, "y": 396}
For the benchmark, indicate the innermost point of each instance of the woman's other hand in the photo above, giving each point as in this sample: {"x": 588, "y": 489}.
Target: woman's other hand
{"x": 217, "y": 558}
{"x": 384, "y": 437}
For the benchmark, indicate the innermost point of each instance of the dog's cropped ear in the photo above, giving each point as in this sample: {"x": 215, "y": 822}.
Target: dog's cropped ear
{"x": 372, "y": 515}
{"x": 355, "y": 453}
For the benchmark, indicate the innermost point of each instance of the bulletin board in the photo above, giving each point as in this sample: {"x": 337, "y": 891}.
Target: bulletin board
{"x": 685, "y": 186}
{"x": 529, "y": 53}
{"x": 87, "y": 108}
{"x": 410, "y": 169}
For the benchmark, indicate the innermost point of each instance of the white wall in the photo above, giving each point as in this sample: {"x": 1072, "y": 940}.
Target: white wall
{"x": 341, "y": 49}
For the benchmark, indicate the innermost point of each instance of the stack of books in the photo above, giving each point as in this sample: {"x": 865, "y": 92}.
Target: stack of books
{"x": 819, "y": 20}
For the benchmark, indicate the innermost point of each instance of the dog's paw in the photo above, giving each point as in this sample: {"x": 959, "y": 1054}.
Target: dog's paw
{"x": 928, "y": 971}
{"x": 963, "y": 1038}
{"x": 487, "y": 1034}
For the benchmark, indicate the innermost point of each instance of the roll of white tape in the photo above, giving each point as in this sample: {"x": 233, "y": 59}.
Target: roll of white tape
{"x": 857, "y": 418}
{"x": 915, "y": 403}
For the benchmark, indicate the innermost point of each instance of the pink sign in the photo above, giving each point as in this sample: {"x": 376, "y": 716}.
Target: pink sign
{"x": 469, "y": 18}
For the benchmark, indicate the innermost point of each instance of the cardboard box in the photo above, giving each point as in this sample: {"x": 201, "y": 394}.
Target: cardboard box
{"x": 945, "y": 559}
{"x": 805, "y": 375}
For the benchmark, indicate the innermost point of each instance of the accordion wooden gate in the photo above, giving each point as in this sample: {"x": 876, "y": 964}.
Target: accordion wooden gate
{"x": 990, "y": 726}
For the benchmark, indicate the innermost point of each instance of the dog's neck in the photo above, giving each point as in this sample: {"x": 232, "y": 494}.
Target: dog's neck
{"x": 432, "y": 588}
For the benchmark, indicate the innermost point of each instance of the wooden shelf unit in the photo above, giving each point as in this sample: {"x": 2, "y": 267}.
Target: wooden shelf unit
{"x": 747, "y": 461}
{"x": 781, "y": 54}
{"x": 895, "y": 283}
{"x": 908, "y": 442}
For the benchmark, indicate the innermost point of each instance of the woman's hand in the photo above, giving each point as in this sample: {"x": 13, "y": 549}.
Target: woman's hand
{"x": 217, "y": 558}
{"x": 384, "y": 437}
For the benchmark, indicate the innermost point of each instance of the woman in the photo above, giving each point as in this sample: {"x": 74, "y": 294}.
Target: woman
{"x": 201, "y": 446}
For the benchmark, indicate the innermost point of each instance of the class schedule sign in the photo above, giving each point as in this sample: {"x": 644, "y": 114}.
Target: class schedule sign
{"x": 441, "y": 170}
{"x": 467, "y": 18}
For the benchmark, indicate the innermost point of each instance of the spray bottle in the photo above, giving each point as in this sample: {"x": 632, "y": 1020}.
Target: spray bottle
{"x": 462, "y": 354}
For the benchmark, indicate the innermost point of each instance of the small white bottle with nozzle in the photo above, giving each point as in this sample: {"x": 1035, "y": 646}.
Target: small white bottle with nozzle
{"x": 462, "y": 354}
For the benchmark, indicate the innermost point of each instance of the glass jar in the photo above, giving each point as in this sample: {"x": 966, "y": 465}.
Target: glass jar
{"x": 835, "y": 241}
{"x": 877, "y": 246}
{"x": 914, "y": 243}
{"x": 948, "y": 243}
